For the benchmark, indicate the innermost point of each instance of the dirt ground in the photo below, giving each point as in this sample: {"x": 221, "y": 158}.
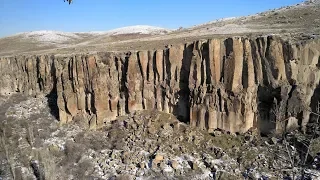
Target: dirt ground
{"x": 143, "y": 145}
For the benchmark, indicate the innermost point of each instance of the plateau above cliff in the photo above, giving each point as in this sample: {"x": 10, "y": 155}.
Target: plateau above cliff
{"x": 300, "y": 21}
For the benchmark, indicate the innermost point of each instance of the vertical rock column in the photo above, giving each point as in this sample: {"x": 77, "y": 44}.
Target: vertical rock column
{"x": 134, "y": 84}
{"x": 212, "y": 101}
{"x": 195, "y": 80}
{"x": 173, "y": 67}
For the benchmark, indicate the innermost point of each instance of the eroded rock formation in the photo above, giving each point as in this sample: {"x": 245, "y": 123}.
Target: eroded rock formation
{"x": 232, "y": 84}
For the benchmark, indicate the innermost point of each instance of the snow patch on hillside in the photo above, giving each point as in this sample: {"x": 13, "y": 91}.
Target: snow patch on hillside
{"x": 50, "y": 36}
{"x": 222, "y": 20}
{"x": 57, "y": 37}
{"x": 138, "y": 29}
{"x": 215, "y": 21}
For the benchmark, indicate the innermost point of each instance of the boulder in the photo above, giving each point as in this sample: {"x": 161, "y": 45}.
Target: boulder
{"x": 159, "y": 157}
{"x": 174, "y": 164}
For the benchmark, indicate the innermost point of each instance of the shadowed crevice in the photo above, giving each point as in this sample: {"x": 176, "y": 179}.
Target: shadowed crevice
{"x": 182, "y": 109}
{"x": 52, "y": 97}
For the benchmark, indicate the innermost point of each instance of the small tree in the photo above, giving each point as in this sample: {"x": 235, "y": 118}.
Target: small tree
{"x": 290, "y": 148}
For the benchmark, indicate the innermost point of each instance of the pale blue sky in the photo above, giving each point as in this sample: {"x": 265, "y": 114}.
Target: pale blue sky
{"x": 101, "y": 15}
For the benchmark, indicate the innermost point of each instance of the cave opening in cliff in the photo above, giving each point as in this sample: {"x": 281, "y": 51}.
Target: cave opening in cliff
{"x": 52, "y": 96}
{"x": 123, "y": 86}
{"x": 315, "y": 106}
{"x": 268, "y": 100}
{"x": 182, "y": 109}
{"x": 52, "y": 103}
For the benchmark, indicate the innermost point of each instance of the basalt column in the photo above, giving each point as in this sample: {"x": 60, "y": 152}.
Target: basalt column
{"x": 232, "y": 84}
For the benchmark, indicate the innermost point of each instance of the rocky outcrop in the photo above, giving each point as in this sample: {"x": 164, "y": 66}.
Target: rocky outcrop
{"x": 232, "y": 84}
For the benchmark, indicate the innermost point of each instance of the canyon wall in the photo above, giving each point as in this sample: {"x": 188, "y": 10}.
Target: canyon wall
{"x": 232, "y": 84}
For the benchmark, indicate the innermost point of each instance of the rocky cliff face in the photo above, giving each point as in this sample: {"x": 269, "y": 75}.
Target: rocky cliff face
{"x": 231, "y": 84}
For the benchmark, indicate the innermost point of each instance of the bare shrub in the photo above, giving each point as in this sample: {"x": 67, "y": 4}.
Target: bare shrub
{"x": 9, "y": 158}
{"x": 30, "y": 136}
{"x": 47, "y": 164}
{"x": 84, "y": 170}
{"x": 74, "y": 151}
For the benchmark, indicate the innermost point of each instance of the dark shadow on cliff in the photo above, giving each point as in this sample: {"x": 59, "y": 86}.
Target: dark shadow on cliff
{"x": 182, "y": 109}
{"x": 315, "y": 107}
{"x": 123, "y": 86}
{"x": 52, "y": 103}
{"x": 52, "y": 97}
{"x": 266, "y": 97}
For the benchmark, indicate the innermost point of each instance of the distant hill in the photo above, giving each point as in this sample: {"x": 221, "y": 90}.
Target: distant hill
{"x": 288, "y": 21}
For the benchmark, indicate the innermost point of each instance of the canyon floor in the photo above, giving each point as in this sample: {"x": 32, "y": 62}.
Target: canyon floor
{"x": 142, "y": 145}
{"x": 150, "y": 144}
